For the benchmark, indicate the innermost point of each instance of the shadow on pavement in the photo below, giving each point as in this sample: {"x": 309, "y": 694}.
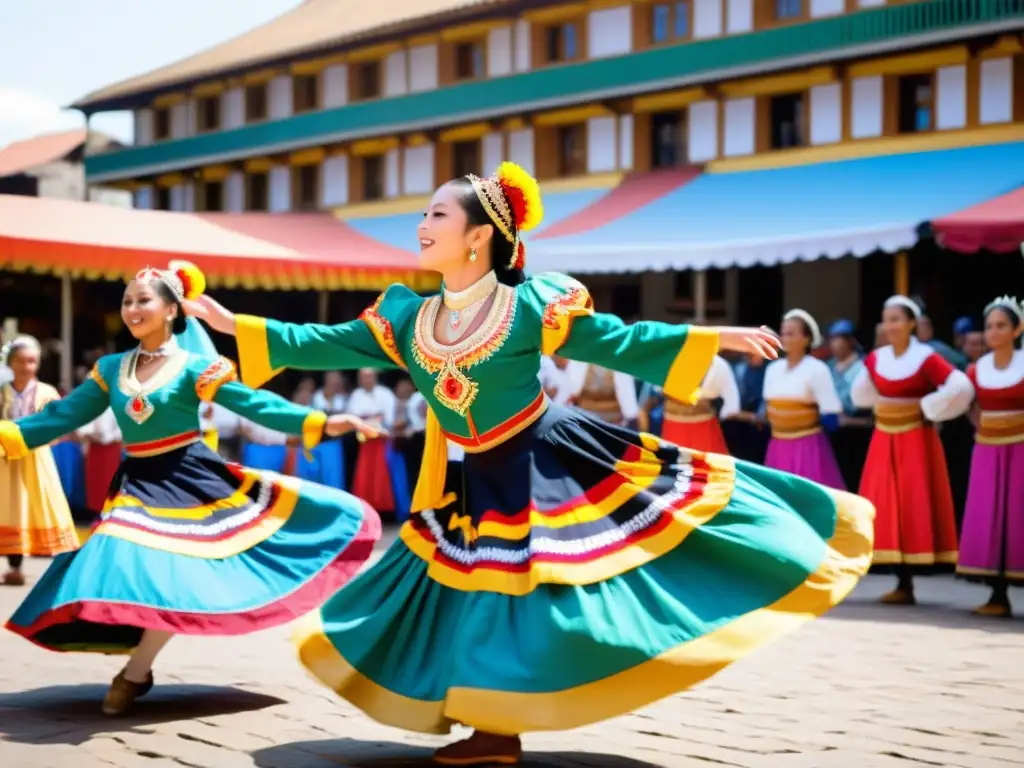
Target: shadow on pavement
{"x": 923, "y": 614}
{"x": 384, "y": 754}
{"x": 70, "y": 714}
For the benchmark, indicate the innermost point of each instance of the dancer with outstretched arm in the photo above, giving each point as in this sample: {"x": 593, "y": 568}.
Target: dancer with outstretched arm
{"x": 579, "y": 569}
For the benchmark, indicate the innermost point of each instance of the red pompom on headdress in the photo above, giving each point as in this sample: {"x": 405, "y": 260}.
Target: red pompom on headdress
{"x": 193, "y": 281}
{"x": 511, "y": 198}
{"x": 523, "y": 195}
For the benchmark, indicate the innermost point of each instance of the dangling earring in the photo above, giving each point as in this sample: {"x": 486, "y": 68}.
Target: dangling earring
{"x": 472, "y": 254}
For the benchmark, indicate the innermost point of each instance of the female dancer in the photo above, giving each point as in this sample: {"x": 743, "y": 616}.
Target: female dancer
{"x": 992, "y": 546}
{"x": 801, "y": 398}
{"x": 697, "y": 426}
{"x": 34, "y": 515}
{"x": 580, "y": 569}
{"x": 909, "y": 386}
{"x": 187, "y": 544}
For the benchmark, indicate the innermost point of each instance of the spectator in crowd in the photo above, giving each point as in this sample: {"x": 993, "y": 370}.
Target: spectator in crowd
{"x": 962, "y": 327}
{"x": 926, "y": 333}
{"x": 973, "y": 346}
{"x": 746, "y": 432}
{"x": 851, "y": 442}
{"x": 375, "y": 404}
{"x": 332, "y": 397}
{"x": 34, "y": 515}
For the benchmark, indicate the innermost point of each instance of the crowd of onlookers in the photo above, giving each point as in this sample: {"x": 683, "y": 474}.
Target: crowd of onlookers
{"x": 401, "y": 410}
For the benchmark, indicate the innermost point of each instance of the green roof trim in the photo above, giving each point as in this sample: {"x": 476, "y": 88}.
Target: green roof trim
{"x": 557, "y": 86}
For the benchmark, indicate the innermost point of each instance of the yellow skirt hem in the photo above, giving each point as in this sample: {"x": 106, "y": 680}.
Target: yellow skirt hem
{"x": 847, "y": 559}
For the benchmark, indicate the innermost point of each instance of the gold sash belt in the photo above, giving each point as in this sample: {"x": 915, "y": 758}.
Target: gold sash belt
{"x": 896, "y": 418}
{"x": 791, "y": 419}
{"x": 1000, "y": 428}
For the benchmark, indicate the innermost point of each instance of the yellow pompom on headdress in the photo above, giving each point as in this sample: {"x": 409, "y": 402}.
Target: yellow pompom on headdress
{"x": 511, "y": 197}
{"x": 186, "y": 281}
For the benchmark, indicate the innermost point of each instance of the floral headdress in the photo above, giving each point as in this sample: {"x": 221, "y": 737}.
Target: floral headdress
{"x": 511, "y": 197}
{"x": 185, "y": 279}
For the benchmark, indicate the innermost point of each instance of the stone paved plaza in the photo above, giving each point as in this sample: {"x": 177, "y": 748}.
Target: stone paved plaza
{"x": 869, "y": 685}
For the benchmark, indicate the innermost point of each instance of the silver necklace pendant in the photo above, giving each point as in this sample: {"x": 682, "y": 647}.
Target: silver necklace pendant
{"x": 454, "y": 320}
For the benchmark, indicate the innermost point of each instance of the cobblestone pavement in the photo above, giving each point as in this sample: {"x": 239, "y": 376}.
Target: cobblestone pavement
{"x": 867, "y": 686}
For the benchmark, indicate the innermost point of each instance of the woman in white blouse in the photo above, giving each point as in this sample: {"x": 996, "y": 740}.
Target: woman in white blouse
{"x": 802, "y": 402}
{"x": 910, "y": 387}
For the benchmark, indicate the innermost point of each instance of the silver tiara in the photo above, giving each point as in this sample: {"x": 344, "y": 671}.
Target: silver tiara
{"x": 165, "y": 276}
{"x": 1007, "y": 302}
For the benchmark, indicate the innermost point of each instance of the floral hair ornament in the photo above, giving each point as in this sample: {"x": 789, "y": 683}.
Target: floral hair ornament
{"x": 907, "y": 303}
{"x": 511, "y": 197}
{"x": 186, "y": 281}
{"x": 1010, "y": 304}
{"x": 812, "y": 325}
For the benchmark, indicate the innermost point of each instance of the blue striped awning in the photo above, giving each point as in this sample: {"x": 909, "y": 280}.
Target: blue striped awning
{"x": 835, "y": 209}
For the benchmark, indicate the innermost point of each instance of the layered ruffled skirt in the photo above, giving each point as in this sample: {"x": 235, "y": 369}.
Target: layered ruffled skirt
{"x": 192, "y": 545}
{"x": 583, "y": 572}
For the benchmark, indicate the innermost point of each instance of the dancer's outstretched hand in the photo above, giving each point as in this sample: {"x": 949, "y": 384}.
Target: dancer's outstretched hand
{"x": 343, "y": 423}
{"x": 761, "y": 341}
{"x": 211, "y": 312}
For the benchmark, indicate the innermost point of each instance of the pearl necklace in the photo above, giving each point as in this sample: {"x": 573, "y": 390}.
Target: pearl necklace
{"x": 165, "y": 349}
{"x": 463, "y": 305}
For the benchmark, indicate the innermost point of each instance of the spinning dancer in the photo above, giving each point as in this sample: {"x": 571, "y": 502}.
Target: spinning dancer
{"x": 186, "y": 544}
{"x": 580, "y": 570}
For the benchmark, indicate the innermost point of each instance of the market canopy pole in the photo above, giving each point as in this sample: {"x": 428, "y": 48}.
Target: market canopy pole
{"x": 67, "y": 308}
{"x": 67, "y": 338}
{"x": 323, "y": 307}
{"x": 901, "y": 274}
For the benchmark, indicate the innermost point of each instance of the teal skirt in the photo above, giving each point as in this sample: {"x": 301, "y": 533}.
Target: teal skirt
{"x": 629, "y": 571}
{"x": 189, "y": 544}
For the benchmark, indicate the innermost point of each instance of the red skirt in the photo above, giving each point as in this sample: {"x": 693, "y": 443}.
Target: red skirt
{"x": 101, "y": 463}
{"x": 703, "y": 436}
{"x": 372, "y": 480}
{"x": 906, "y": 478}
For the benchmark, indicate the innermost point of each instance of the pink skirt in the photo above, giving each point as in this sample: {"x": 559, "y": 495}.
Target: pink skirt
{"x": 810, "y": 457}
{"x": 992, "y": 540}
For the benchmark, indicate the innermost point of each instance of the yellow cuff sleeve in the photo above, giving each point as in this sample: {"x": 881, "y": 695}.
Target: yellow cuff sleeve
{"x": 691, "y": 365}
{"x": 12, "y": 443}
{"x": 253, "y": 351}
{"x": 313, "y": 430}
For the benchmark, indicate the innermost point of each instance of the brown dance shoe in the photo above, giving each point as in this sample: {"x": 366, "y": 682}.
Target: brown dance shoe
{"x": 122, "y": 694}
{"x": 481, "y": 749}
{"x": 994, "y": 610}
{"x": 899, "y": 597}
{"x": 14, "y": 579}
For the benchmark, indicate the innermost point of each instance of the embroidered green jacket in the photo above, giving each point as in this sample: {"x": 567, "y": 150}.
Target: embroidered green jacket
{"x": 484, "y": 388}
{"x": 161, "y": 414}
